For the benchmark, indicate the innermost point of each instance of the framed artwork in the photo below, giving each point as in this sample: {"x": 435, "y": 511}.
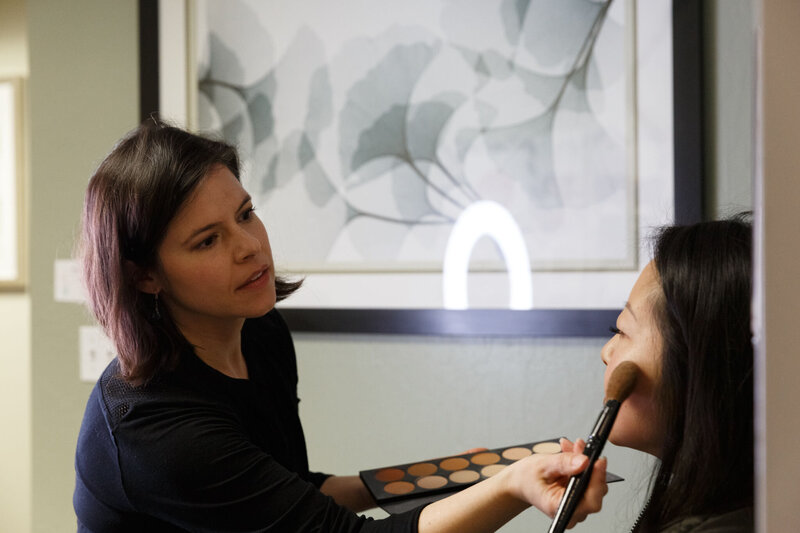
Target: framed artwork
{"x": 11, "y": 215}
{"x": 446, "y": 167}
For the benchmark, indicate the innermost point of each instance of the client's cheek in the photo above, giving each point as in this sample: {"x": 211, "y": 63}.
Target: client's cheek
{"x": 629, "y": 423}
{"x": 620, "y": 431}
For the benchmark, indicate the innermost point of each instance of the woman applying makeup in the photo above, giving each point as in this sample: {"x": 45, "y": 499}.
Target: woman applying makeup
{"x": 686, "y": 326}
{"x": 195, "y": 426}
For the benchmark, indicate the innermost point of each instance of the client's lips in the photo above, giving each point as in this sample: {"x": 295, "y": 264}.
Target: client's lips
{"x": 258, "y": 278}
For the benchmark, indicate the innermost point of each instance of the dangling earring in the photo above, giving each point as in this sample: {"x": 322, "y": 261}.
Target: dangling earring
{"x": 156, "y": 312}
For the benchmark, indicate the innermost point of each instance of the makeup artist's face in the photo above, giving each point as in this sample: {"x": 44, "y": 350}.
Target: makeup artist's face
{"x": 215, "y": 260}
{"x": 638, "y": 340}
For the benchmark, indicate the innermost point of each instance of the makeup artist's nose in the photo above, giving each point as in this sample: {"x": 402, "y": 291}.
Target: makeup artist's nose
{"x": 247, "y": 245}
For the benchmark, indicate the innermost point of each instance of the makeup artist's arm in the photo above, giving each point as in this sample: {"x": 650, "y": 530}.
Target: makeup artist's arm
{"x": 538, "y": 480}
{"x": 349, "y": 492}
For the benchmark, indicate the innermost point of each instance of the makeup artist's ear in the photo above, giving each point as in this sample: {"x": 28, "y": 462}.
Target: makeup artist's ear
{"x": 143, "y": 280}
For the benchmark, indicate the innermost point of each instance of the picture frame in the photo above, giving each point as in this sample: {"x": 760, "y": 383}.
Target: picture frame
{"x": 407, "y": 318}
{"x": 12, "y": 256}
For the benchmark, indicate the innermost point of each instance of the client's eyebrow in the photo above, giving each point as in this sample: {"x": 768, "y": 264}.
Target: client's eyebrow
{"x": 207, "y": 227}
{"x": 629, "y": 308}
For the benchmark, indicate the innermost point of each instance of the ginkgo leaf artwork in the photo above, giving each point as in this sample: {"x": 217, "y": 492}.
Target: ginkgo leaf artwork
{"x": 367, "y": 128}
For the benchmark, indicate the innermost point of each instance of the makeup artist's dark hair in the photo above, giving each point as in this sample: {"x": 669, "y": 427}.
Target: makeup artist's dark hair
{"x": 706, "y": 383}
{"x": 131, "y": 199}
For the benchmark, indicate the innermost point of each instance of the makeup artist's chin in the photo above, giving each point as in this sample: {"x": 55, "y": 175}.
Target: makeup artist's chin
{"x": 260, "y": 308}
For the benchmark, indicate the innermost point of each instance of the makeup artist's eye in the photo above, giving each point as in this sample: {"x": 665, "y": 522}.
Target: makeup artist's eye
{"x": 207, "y": 242}
{"x": 615, "y": 330}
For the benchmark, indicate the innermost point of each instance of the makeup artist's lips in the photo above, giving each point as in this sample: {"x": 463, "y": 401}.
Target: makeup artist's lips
{"x": 257, "y": 280}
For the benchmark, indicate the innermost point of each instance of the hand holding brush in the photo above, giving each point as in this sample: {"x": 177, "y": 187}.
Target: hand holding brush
{"x": 620, "y": 385}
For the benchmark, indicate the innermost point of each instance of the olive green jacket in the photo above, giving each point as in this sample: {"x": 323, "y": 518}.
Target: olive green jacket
{"x": 738, "y": 521}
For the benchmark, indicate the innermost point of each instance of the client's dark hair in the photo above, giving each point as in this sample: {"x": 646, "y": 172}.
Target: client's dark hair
{"x": 706, "y": 381}
{"x": 131, "y": 199}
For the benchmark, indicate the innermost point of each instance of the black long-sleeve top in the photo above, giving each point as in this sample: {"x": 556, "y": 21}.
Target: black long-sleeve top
{"x": 196, "y": 450}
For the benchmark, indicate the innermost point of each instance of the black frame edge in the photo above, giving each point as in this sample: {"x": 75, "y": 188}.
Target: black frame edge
{"x": 149, "y": 102}
{"x": 461, "y": 323}
{"x": 688, "y": 110}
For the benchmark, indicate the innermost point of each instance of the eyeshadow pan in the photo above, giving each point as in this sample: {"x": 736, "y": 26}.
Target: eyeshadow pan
{"x": 515, "y": 454}
{"x": 422, "y": 469}
{"x": 399, "y": 487}
{"x": 547, "y": 447}
{"x": 485, "y": 458}
{"x": 389, "y": 474}
{"x": 432, "y": 482}
{"x": 454, "y": 463}
{"x": 489, "y": 471}
{"x": 464, "y": 476}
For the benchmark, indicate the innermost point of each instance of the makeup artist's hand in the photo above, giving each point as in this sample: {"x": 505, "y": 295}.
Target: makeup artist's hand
{"x": 474, "y": 450}
{"x": 568, "y": 446}
{"x": 539, "y": 480}
{"x": 545, "y": 485}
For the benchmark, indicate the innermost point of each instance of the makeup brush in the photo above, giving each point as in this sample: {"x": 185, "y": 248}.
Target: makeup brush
{"x": 620, "y": 385}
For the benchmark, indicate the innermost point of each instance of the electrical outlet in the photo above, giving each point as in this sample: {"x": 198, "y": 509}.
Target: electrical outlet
{"x": 67, "y": 285}
{"x": 96, "y": 351}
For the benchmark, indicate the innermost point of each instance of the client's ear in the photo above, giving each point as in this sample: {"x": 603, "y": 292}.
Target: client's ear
{"x": 143, "y": 279}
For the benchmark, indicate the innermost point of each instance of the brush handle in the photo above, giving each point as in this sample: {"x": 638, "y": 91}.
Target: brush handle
{"x": 578, "y": 483}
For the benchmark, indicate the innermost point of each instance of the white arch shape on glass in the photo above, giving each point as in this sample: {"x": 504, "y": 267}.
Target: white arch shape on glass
{"x": 490, "y": 219}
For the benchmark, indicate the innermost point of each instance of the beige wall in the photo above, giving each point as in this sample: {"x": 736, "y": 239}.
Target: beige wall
{"x": 13, "y": 39}
{"x": 15, "y": 413}
{"x": 15, "y": 352}
{"x": 83, "y": 95}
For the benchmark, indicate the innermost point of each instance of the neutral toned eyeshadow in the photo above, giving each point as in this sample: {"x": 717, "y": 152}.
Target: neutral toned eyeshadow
{"x": 454, "y": 463}
{"x": 515, "y": 454}
{"x": 432, "y": 482}
{"x": 485, "y": 458}
{"x": 489, "y": 471}
{"x": 464, "y": 476}
{"x": 389, "y": 474}
{"x": 547, "y": 447}
{"x": 399, "y": 487}
{"x": 422, "y": 469}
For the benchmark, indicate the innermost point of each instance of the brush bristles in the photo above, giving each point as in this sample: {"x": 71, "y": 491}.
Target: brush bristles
{"x": 622, "y": 381}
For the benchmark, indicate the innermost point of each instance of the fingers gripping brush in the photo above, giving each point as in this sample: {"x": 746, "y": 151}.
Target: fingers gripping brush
{"x": 620, "y": 385}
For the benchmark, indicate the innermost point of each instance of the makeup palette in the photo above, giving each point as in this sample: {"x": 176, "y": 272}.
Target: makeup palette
{"x": 403, "y": 487}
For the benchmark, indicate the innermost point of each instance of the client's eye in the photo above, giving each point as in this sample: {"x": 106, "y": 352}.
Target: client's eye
{"x": 614, "y": 330}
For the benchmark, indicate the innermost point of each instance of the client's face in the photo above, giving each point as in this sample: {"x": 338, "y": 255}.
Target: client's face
{"x": 637, "y": 339}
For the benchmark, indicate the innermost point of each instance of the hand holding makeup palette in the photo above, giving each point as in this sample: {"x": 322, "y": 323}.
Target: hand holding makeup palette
{"x": 402, "y": 487}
